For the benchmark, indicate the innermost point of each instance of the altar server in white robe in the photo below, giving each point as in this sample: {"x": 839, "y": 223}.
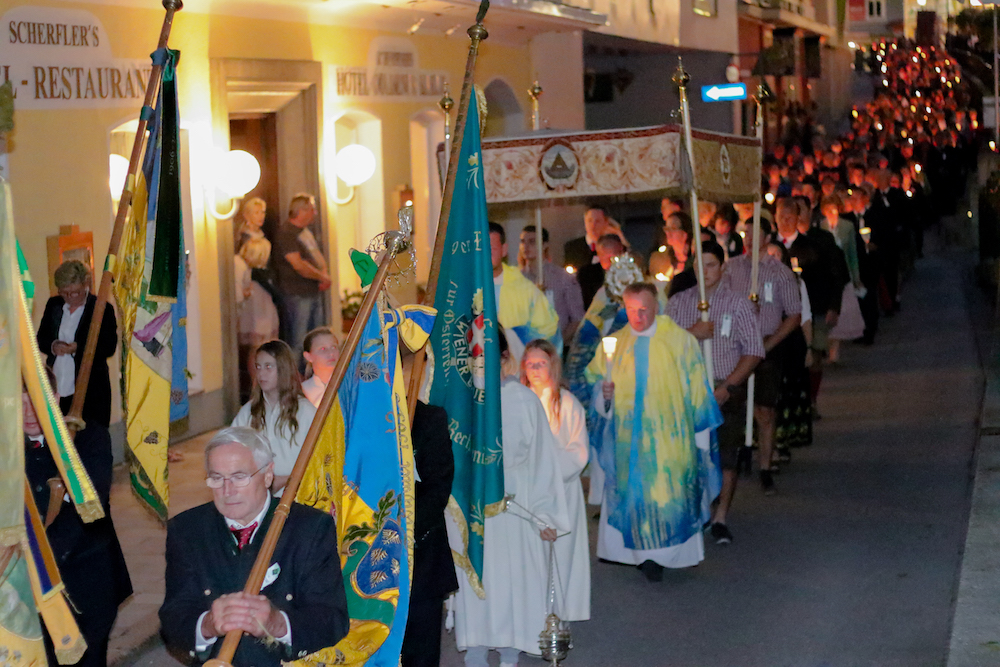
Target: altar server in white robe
{"x": 541, "y": 370}
{"x": 515, "y": 563}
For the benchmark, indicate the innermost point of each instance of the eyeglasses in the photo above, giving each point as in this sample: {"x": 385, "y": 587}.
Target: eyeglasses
{"x": 239, "y": 480}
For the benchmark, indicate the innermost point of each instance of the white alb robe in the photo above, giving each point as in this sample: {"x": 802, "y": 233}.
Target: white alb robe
{"x": 573, "y": 550}
{"x": 515, "y": 562}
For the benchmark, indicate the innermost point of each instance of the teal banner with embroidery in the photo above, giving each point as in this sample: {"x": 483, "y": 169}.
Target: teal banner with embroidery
{"x": 465, "y": 343}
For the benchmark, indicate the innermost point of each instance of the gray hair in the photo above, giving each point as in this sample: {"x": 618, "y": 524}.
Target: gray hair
{"x": 72, "y": 272}
{"x": 241, "y": 435}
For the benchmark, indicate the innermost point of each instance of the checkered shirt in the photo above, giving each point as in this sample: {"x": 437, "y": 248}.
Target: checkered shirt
{"x": 784, "y": 301}
{"x": 737, "y": 332}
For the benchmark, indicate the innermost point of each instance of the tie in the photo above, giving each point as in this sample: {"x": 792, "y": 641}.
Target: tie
{"x": 242, "y": 535}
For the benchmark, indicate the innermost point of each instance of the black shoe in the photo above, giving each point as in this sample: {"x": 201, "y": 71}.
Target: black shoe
{"x": 767, "y": 483}
{"x": 652, "y": 571}
{"x": 721, "y": 534}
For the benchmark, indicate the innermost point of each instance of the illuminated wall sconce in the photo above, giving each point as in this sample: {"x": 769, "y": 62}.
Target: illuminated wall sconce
{"x": 234, "y": 174}
{"x": 117, "y": 174}
{"x": 354, "y": 164}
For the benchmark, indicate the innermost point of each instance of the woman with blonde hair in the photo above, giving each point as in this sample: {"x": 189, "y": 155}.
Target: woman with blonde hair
{"x": 249, "y": 221}
{"x": 256, "y": 306}
{"x": 541, "y": 369}
{"x": 277, "y": 408}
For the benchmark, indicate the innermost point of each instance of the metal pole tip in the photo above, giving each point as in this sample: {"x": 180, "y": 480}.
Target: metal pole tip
{"x": 175, "y": 5}
{"x": 477, "y": 32}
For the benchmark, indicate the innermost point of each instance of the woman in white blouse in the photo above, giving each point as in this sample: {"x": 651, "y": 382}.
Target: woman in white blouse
{"x": 541, "y": 371}
{"x": 321, "y": 350}
{"x": 277, "y": 408}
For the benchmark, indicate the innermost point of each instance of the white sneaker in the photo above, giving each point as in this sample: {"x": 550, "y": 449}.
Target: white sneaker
{"x": 508, "y": 664}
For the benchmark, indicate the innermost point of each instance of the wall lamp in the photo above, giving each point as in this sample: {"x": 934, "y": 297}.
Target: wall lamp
{"x": 354, "y": 164}
{"x": 234, "y": 174}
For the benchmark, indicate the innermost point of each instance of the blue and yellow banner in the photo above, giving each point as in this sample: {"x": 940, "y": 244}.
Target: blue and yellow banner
{"x": 362, "y": 472}
{"x": 149, "y": 278}
{"x": 465, "y": 344}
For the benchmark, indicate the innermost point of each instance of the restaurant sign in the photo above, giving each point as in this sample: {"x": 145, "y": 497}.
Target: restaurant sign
{"x": 61, "y": 59}
{"x": 392, "y": 74}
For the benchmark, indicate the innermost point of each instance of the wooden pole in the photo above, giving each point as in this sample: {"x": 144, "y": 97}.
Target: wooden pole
{"x": 536, "y": 124}
{"x": 755, "y": 261}
{"x": 256, "y": 578}
{"x": 477, "y": 33}
{"x": 681, "y": 78}
{"x": 73, "y": 419}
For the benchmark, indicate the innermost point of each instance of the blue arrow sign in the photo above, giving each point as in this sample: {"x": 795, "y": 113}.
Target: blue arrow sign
{"x": 724, "y": 92}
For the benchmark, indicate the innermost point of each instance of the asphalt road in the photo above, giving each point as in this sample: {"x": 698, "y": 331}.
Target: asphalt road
{"x": 855, "y": 561}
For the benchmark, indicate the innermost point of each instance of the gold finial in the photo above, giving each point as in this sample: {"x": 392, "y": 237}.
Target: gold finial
{"x": 763, "y": 93}
{"x": 681, "y": 77}
{"x": 477, "y": 32}
{"x": 446, "y": 103}
{"x": 535, "y": 91}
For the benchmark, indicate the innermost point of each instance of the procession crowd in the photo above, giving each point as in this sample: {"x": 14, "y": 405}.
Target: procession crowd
{"x": 607, "y": 379}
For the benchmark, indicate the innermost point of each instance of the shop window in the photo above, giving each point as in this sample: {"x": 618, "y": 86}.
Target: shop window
{"x": 874, "y": 9}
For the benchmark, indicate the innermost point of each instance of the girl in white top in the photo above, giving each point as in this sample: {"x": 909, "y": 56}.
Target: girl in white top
{"x": 541, "y": 371}
{"x": 277, "y": 408}
{"x": 321, "y": 350}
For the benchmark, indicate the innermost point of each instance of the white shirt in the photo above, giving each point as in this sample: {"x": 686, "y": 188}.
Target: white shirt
{"x": 284, "y": 445}
{"x": 200, "y": 641}
{"x": 314, "y": 388}
{"x": 788, "y": 241}
{"x": 64, "y": 367}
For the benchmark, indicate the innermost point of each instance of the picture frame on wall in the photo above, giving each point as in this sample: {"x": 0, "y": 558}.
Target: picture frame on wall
{"x": 69, "y": 244}
{"x": 708, "y": 8}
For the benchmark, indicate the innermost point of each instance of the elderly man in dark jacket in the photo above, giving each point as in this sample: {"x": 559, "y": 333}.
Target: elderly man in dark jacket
{"x": 211, "y": 549}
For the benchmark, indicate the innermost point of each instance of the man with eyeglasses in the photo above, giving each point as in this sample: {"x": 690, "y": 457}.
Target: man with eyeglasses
{"x": 211, "y": 549}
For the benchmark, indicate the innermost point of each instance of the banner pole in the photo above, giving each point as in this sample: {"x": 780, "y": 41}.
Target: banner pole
{"x": 536, "y": 124}
{"x": 681, "y": 79}
{"x": 759, "y": 98}
{"x": 477, "y": 33}
{"x": 74, "y": 420}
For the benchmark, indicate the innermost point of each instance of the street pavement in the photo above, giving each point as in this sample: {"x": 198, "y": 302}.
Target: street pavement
{"x": 854, "y": 562}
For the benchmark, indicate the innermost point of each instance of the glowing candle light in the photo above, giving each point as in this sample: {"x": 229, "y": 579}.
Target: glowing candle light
{"x": 609, "y": 343}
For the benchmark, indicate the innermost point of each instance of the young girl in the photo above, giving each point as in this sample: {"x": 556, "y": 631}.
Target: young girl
{"x": 321, "y": 350}
{"x": 277, "y": 408}
{"x": 540, "y": 370}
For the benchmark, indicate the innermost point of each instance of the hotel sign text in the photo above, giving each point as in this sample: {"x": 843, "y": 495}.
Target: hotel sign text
{"x": 392, "y": 74}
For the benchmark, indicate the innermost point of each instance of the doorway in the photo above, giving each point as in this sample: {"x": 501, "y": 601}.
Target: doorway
{"x": 270, "y": 109}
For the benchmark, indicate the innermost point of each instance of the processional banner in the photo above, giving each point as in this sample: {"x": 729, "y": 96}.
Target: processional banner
{"x": 726, "y": 167}
{"x": 561, "y": 168}
{"x": 149, "y": 276}
{"x": 584, "y": 165}
{"x": 466, "y": 371}
{"x": 362, "y": 472}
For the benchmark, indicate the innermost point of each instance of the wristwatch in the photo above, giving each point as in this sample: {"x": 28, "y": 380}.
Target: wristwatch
{"x": 731, "y": 388}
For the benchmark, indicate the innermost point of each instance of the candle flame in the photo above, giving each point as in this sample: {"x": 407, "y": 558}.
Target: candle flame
{"x": 609, "y": 343}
